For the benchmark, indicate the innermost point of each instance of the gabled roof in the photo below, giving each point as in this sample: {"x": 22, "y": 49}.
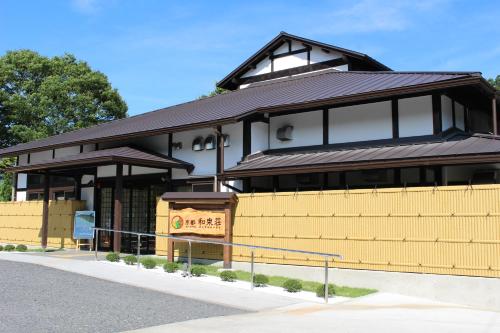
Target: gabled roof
{"x": 459, "y": 148}
{"x": 125, "y": 155}
{"x": 281, "y": 38}
{"x": 325, "y": 88}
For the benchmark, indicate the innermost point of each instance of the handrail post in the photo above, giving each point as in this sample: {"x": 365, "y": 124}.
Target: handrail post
{"x": 96, "y": 242}
{"x": 189, "y": 258}
{"x": 138, "y": 251}
{"x": 252, "y": 271}
{"x": 326, "y": 279}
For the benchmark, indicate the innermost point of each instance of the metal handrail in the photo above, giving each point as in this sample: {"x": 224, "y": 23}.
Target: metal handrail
{"x": 205, "y": 241}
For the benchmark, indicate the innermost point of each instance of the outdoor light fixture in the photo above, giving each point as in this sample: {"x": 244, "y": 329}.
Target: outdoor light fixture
{"x": 284, "y": 133}
{"x": 227, "y": 140}
{"x": 177, "y": 145}
{"x": 210, "y": 142}
{"x": 198, "y": 144}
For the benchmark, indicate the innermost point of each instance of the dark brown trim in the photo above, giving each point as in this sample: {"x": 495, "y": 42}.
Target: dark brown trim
{"x": 494, "y": 115}
{"x": 466, "y": 119}
{"x": 53, "y": 153}
{"x": 437, "y": 115}
{"x": 292, "y": 71}
{"x": 247, "y": 138}
{"x": 170, "y": 144}
{"x": 395, "y": 118}
{"x": 281, "y": 55}
{"x": 45, "y": 213}
{"x": 14, "y": 185}
{"x": 81, "y": 149}
{"x": 117, "y": 221}
{"x": 453, "y": 113}
{"x": 326, "y": 126}
{"x": 29, "y": 158}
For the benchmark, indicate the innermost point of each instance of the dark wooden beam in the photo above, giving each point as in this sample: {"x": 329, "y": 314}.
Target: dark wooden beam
{"x": 395, "y": 118}
{"x": 45, "y": 212}
{"x": 437, "y": 113}
{"x": 220, "y": 155}
{"x": 117, "y": 221}
{"x": 286, "y": 54}
{"x": 326, "y": 121}
{"x": 14, "y": 187}
{"x": 247, "y": 138}
{"x": 78, "y": 187}
{"x": 453, "y": 113}
{"x": 494, "y": 115}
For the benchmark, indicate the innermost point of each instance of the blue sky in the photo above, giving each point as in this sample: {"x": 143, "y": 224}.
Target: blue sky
{"x": 160, "y": 53}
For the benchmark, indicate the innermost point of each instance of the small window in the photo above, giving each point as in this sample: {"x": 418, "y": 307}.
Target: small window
{"x": 198, "y": 144}
{"x": 210, "y": 142}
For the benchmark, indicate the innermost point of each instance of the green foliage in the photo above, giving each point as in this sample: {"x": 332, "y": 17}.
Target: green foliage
{"x": 215, "y": 92}
{"x": 260, "y": 280}
{"x": 130, "y": 259}
{"x": 9, "y": 247}
{"x": 113, "y": 257}
{"x": 170, "y": 267}
{"x": 198, "y": 270}
{"x": 5, "y": 182}
{"x": 1, "y": 248}
{"x": 292, "y": 285}
{"x": 495, "y": 82}
{"x": 320, "y": 290}
{"x": 228, "y": 276}
{"x": 21, "y": 248}
{"x": 148, "y": 263}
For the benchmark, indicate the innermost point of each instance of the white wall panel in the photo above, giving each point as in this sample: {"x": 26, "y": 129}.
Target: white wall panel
{"x": 260, "y": 137}
{"x": 205, "y": 161}
{"x": 460, "y": 116}
{"x": 317, "y": 55}
{"x": 307, "y": 129}
{"x": 67, "y": 151}
{"x": 107, "y": 171}
{"x": 294, "y": 60}
{"x": 23, "y": 159}
{"x": 447, "y": 112}
{"x": 233, "y": 153}
{"x": 364, "y": 122}
{"x": 22, "y": 180}
{"x": 87, "y": 194}
{"x": 40, "y": 156}
{"x": 138, "y": 170}
{"x": 415, "y": 116}
{"x": 21, "y": 196}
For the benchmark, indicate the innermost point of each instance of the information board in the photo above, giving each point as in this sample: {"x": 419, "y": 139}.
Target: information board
{"x": 201, "y": 222}
{"x": 84, "y": 224}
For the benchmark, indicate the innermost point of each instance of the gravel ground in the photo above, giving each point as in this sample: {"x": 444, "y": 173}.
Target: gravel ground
{"x": 40, "y": 299}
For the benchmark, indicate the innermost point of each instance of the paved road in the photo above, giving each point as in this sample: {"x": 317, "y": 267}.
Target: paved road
{"x": 39, "y": 299}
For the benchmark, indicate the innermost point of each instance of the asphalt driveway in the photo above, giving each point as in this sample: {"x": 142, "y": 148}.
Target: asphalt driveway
{"x": 34, "y": 298}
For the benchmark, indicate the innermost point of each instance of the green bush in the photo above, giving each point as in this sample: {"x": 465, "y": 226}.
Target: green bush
{"x": 148, "y": 263}
{"x": 113, "y": 257}
{"x": 228, "y": 276}
{"x": 292, "y": 285}
{"x": 130, "y": 259}
{"x": 21, "y": 248}
{"x": 260, "y": 280}
{"x": 198, "y": 270}
{"x": 320, "y": 291}
{"x": 1, "y": 247}
{"x": 170, "y": 267}
{"x": 9, "y": 247}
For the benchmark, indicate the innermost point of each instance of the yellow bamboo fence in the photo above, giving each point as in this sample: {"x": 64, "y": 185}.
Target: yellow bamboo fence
{"x": 441, "y": 230}
{"x": 21, "y": 222}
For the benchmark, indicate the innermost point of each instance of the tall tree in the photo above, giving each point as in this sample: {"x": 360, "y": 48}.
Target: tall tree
{"x": 495, "y": 82}
{"x": 215, "y": 92}
{"x": 42, "y": 96}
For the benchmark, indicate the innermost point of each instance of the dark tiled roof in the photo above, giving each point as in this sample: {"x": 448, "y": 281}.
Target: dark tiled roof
{"x": 320, "y": 87}
{"x": 114, "y": 155}
{"x": 457, "y": 148}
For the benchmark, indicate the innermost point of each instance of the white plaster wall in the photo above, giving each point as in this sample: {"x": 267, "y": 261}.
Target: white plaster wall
{"x": 294, "y": 60}
{"x": 260, "y": 137}
{"x": 40, "y": 156}
{"x": 21, "y": 196}
{"x": 67, "y": 151}
{"x": 22, "y": 180}
{"x": 307, "y": 129}
{"x": 158, "y": 143}
{"x": 205, "y": 161}
{"x": 23, "y": 159}
{"x": 317, "y": 55}
{"x": 234, "y": 153}
{"x": 342, "y": 68}
{"x": 459, "y": 116}
{"x": 234, "y": 183}
{"x": 87, "y": 179}
{"x": 89, "y": 147}
{"x": 447, "y": 112}
{"x": 87, "y": 194}
{"x": 415, "y": 116}
{"x": 364, "y": 122}
{"x": 262, "y": 67}
{"x": 138, "y": 170}
{"x": 110, "y": 171}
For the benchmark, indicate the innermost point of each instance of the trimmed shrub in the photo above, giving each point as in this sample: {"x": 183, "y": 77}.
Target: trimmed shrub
{"x": 9, "y": 247}
{"x": 198, "y": 270}
{"x": 320, "y": 291}
{"x": 1, "y": 247}
{"x": 21, "y": 248}
{"x": 130, "y": 260}
{"x": 170, "y": 267}
{"x": 260, "y": 280}
{"x": 292, "y": 285}
{"x": 113, "y": 257}
{"x": 148, "y": 263}
{"x": 228, "y": 276}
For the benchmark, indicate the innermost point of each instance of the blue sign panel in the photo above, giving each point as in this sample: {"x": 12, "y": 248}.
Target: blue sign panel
{"x": 84, "y": 224}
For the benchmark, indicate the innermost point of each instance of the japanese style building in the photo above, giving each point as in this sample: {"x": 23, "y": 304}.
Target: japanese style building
{"x": 298, "y": 115}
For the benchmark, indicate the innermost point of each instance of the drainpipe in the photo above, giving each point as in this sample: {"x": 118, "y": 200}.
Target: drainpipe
{"x": 494, "y": 114}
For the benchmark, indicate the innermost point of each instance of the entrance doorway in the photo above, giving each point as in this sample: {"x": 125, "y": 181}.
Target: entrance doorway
{"x": 138, "y": 215}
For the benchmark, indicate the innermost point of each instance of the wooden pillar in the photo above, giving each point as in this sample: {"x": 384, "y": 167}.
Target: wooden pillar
{"x": 227, "y": 254}
{"x": 45, "y": 214}
{"x": 14, "y": 187}
{"x": 117, "y": 223}
{"x": 78, "y": 187}
{"x": 220, "y": 156}
{"x": 494, "y": 114}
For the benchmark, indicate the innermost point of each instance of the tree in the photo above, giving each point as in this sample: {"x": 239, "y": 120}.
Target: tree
{"x": 495, "y": 82}
{"x": 215, "y": 92}
{"x": 42, "y": 96}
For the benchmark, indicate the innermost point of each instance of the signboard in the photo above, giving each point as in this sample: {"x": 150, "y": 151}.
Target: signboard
{"x": 201, "y": 222}
{"x": 84, "y": 224}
